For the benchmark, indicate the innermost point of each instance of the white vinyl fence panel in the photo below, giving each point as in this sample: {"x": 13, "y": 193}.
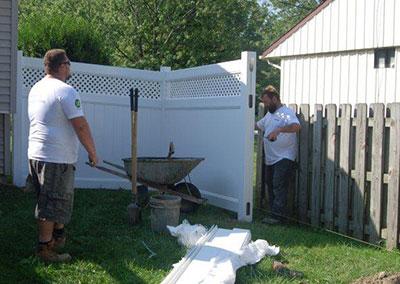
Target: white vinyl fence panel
{"x": 206, "y": 111}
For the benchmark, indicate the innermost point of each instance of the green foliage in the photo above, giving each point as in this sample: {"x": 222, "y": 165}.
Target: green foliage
{"x": 151, "y": 33}
{"x": 284, "y": 14}
{"x": 148, "y": 34}
{"x": 38, "y": 33}
{"x": 280, "y": 17}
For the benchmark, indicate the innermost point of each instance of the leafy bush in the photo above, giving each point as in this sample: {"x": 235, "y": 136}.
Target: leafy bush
{"x": 39, "y": 33}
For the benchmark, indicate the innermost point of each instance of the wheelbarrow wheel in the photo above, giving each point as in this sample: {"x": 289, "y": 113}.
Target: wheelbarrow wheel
{"x": 188, "y": 206}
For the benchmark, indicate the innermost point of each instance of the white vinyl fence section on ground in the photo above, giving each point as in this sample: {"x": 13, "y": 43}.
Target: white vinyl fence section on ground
{"x": 206, "y": 111}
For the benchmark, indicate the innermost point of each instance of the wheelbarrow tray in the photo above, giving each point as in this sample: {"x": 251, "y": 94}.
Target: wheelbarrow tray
{"x": 166, "y": 171}
{"x": 162, "y": 187}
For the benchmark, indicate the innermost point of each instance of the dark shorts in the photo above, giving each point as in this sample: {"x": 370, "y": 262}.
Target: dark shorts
{"x": 54, "y": 186}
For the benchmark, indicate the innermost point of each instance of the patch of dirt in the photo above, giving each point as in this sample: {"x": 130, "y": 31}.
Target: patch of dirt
{"x": 380, "y": 278}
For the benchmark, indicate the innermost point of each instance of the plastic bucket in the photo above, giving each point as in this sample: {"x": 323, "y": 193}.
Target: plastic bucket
{"x": 165, "y": 210}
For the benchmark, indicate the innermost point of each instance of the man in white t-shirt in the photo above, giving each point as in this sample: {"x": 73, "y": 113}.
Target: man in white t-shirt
{"x": 57, "y": 124}
{"x": 280, "y": 126}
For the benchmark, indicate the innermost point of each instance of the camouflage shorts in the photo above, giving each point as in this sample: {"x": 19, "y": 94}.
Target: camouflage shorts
{"x": 54, "y": 186}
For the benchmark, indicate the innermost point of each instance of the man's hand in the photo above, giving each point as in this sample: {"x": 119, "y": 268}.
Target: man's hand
{"x": 93, "y": 160}
{"x": 273, "y": 135}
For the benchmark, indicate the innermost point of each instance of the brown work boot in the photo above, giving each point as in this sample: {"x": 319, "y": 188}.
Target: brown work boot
{"x": 59, "y": 242}
{"x": 46, "y": 253}
{"x": 59, "y": 238}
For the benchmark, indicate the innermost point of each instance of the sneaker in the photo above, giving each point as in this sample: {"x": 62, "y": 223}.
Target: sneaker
{"x": 46, "y": 253}
{"x": 271, "y": 221}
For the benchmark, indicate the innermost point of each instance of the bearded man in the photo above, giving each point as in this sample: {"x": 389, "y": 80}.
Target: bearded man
{"x": 280, "y": 126}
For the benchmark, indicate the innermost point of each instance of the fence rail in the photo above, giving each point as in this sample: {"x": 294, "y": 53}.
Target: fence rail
{"x": 348, "y": 178}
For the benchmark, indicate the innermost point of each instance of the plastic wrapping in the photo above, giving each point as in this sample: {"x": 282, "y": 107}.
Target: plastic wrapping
{"x": 187, "y": 234}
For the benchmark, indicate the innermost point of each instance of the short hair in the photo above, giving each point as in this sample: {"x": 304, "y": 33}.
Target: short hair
{"x": 271, "y": 92}
{"x": 53, "y": 59}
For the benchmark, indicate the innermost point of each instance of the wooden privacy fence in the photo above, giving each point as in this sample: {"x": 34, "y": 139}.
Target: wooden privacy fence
{"x": 348, "y": 176}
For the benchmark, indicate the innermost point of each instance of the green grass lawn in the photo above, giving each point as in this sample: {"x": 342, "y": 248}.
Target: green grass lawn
{"x": 106, "y": 250}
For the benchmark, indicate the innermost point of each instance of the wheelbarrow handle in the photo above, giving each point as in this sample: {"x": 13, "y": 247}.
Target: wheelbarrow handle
{"x": 114, "y": 165}
{"x": 110, "y": 171}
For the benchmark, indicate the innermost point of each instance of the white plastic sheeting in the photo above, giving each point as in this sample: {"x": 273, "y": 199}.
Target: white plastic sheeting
{"x": 217, "y": 254}
{"x": 187, "y": 234}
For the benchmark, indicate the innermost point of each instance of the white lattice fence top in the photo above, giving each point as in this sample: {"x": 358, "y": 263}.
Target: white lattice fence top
{"x": 98, "y": 84}
{"x": 215, "y": 86}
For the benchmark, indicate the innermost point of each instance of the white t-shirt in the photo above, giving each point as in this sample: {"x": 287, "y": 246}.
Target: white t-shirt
{"x": 285, "y": 145}
{"x": 51, "y": 104}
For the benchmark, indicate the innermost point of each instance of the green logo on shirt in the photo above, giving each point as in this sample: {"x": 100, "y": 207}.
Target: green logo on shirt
{"x": 77, "y": 103}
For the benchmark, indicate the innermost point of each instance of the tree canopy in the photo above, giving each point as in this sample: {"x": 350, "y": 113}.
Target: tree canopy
{"x": 148, "y": 34}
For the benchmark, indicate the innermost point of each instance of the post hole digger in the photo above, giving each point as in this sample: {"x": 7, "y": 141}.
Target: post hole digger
{"x": 134, "y": 214}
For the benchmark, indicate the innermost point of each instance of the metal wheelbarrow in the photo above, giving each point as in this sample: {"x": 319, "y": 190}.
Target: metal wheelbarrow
{"x": 163, "y": 174}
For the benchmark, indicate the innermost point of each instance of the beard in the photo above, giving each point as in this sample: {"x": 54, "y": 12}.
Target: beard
{"x": 271, "y": 108}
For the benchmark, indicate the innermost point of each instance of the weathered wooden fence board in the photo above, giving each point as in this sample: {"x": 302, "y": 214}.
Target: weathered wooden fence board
{"x": 302, "y": 191}
{"x": 394, "y": 185}
{"x": 316, "y": 167}
{"x": 344, "y": 169}
{"x": 329, "y": 187}
{"x": 378, "y": 132}
{"x": 292, "y": 196}
{"x": 260, "y": 184}
{"x": 360, "y": 159}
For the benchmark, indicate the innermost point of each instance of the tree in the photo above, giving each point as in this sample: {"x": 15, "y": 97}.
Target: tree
{"x": 150, "y": 33}
{"x": 280, "y": 17}
{"x": 48, "y": 28}
{"x": 147, "y": 34}
{"x": 284, "y": 14}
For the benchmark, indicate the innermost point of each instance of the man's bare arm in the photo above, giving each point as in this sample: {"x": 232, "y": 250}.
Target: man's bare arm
{"x": 82, "y": 130}
{"x": 294, "y": 127}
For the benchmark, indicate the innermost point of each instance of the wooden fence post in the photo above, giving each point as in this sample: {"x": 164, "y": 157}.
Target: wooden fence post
{"x": 344, "y": 166}
{"x": 292, "y": 193}
{"x": 260, "y": 181}
{"x": 303, "y": 163}
{"x": 394, "y": 184}
{"x": 316, "y": 167}
{"x": 378, "y": 132}
{"x": 330, "y": 166}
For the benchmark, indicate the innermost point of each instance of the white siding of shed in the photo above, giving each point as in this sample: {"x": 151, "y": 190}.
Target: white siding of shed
{"x": 348, "y": 77}
{"x": 346, "y": 25}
